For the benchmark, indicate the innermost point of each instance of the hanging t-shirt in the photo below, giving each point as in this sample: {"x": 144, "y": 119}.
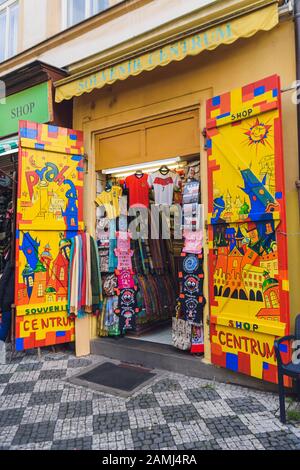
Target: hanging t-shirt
{"x": 163, "y": 185}
{"x": 125, "y": 279}
{"x": 123, "y": 241}
{"x": 124, "y": 259}
{"x": 138, "y": 190}
{"x": 110, "y": 200}
{"x": 191, "y": 192}
{"x": 193, "y": 241}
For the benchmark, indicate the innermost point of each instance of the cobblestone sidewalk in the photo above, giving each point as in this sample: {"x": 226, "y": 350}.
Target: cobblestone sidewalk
{"x": 40, "y": 410}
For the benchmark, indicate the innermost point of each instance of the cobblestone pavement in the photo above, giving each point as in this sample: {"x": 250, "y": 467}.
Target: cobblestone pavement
{"x": 40, "y": 410}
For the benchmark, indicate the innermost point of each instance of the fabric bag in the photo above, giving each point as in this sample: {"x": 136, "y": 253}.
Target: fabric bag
{"x": 181, "y": 334}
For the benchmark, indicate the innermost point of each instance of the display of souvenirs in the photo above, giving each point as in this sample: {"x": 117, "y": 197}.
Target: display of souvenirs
{"x": 141, "y": 291}
{"x": 109, "y": 199}
{"x": 164, "y": 181}
{"x": 191, "y": 277}
{"x": 138, "y": 187}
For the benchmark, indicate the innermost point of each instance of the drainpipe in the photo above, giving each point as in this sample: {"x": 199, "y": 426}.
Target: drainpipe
{"x": 297, "y": 34}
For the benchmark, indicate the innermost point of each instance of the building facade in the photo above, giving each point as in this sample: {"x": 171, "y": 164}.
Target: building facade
{"x": 140, "y": 74}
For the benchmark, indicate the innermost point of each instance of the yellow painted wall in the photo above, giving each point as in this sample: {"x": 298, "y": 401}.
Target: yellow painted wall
{"x": 189, "y": 84}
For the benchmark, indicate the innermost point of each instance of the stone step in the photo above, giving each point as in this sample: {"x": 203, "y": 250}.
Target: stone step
{"x": 166, "y": 357}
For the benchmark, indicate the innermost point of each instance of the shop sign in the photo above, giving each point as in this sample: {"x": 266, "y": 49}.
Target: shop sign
{"x": 248, "y": 274}
{"x": 33, "y": 104}
{"x": 43, "y": 330}
{"x": 49, "y": 215}
{"x": 224, "y": 33}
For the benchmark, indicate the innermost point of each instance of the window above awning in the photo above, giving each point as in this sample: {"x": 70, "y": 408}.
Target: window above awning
{"x": 8, "y": 147}
{"x": 228, "y": 32}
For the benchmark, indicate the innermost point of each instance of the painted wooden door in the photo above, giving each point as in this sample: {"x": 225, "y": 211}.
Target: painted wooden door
{"x": 49, "y": 214}
{"x": 248, "y": 277}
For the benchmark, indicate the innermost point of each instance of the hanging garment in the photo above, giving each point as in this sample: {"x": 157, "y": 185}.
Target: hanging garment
{"x": 103, "y": 243}
{"x": 112, "y": 259}
{"x": 102, "y": 331}
{"x": 110, "y": 317}
{"x": 127, "y": 309}
{"x": 123, "y": 241}
{"x": 163, "y": 184}
{"x": 191, "y": 192}
{"x": 192, "y": 308}
{"x": 109, "y": 199}
{"x": 125, "y": 279}
{"x": 96, "y": 280}
{"x": 193, "y": 241}
{"x": 140, "y": 259}
{"x": 138, "y": 190}
{"x": 124, "y": 260}
{"x": 80, "y": 299}
{"x": 191, "y": 297}
{"x": 191, "y": 264}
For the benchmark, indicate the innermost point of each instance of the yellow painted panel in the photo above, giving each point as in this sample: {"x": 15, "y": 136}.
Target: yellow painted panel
{"x": 49, "y": 215}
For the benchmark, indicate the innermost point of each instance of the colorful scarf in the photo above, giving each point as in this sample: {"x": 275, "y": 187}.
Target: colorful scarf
{"x": 80, "y": 298}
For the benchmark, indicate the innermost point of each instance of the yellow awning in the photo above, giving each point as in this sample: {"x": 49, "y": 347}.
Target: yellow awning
{"x": 225, "y": 33}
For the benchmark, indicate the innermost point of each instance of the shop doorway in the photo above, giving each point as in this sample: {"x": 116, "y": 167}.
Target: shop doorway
{"x": 155, "y": 259}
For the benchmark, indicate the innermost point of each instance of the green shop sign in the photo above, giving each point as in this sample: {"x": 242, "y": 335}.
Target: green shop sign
{"x": 33, "y": 104}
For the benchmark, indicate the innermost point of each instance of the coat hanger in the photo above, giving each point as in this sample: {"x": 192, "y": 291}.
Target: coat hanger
{"x": 164, "y": 169}
{"x": 139, "y": 173}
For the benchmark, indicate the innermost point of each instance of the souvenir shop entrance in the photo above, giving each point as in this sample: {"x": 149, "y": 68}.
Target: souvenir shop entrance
{"x": 139, "y": 234}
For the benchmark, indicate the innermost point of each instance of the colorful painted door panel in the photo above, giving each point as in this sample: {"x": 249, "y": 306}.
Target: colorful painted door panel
{"x": 49, "y": 214}
{"x": 51, "y": 178}
{"x": 249, "y": 303}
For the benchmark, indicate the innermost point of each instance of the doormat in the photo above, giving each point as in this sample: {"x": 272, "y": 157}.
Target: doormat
{"x": 116, "y": 379}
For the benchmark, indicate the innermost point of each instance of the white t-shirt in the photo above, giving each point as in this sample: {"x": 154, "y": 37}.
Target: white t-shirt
{"x": 163, "y": 185}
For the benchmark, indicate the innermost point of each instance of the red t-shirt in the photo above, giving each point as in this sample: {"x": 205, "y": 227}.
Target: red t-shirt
{"x": 138, "y": 190}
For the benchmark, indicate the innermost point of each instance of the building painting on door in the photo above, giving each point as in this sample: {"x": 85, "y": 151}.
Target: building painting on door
{"x": 49, "y": 215}
{"x": 249, "y": 304}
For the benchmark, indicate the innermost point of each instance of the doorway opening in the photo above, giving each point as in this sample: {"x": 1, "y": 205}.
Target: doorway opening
{"x": 145, "y": 201}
